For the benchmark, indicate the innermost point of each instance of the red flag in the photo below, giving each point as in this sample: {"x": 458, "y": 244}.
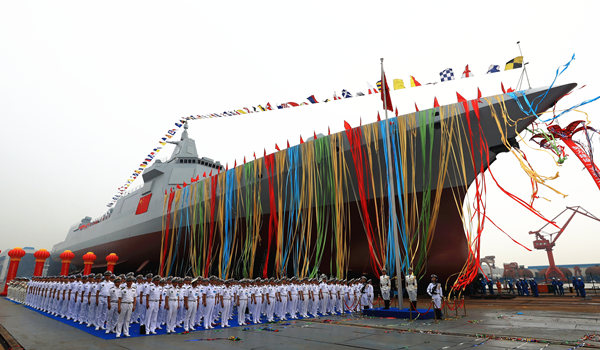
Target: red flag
{"x": 269, "y": 106}
{"x": 414, "y": 81}
{"x": 436, "y": 104}
{"x": 204, "y": 175}
{"x": 265, "y": 152}
{"x": 235, "y": 163}
{"x": 385, "y": 97}
{"x": 378, "y": 117}
{"x": 301, "y": 140}
{"x": 478, "y": 95}
{"x": 347, "y": 125}
{"x": 417, "y": 108}
{"x": 502, "y": 86}
{"x": 288, "y": 143}
{"x": 197, "y": 177}
{"x": 178, "y": 187}
{"x": 467, "y": 72}
{"x": 460, "y": 98}
{"x": 396, "y": 111}
{"x": 314, "y": 135}
{"x": 210, "y": 174}
{"x": 254, "y": 154}
{"x": 244, "y": 159}
{"x": 226, "y": 166}
{"x": 277, "y": 147}
{"x": 328, "y": 131}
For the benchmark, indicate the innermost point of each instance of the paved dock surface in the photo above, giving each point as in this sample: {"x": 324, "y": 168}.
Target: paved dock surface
{"x": 503, "y": 325}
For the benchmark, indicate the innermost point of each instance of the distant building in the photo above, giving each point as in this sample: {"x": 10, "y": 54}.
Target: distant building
{"x": 586, "y": 271}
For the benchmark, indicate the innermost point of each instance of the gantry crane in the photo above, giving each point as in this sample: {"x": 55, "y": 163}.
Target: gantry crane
{"x": 543, "y": 243}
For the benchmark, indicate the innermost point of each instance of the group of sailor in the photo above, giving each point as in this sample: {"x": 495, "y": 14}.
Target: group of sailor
{"x": 111, "y": 303}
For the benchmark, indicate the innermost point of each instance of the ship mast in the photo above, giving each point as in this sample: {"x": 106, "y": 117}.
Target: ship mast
{"x": 390, "y": 171}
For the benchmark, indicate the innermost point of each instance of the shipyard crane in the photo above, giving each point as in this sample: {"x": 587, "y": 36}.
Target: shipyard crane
{"x": 543, "y": 243}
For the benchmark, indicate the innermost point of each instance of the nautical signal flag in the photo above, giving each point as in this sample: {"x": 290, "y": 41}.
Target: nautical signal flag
{"x": 346, "y": 94}
{"x": 515, "y": 63}
{"x": 467, "y": 73}
{"x": 379, "y": 85}
{"x": 398, "y": 84}
{"x": 312, "y": 99}
{"x": 414, "y": 82}
{"x": 447, "y": 74}
{"x": 385, "y": 96}
{"x": 494, "y": 68}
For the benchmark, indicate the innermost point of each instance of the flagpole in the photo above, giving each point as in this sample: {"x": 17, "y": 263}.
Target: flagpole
{"x": 390, "y": 171}
{"x": 524, "y": 64}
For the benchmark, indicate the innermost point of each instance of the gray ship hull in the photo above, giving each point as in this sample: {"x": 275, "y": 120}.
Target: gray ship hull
{"x": 137, "y": 238}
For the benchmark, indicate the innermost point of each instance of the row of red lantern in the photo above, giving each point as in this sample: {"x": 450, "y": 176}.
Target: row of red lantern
{"x": 66, "y": 257}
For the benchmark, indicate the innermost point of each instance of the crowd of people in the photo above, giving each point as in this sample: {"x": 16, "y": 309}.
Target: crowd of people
{"x": 111, "y": 303}
{"x": 527, "y": 287}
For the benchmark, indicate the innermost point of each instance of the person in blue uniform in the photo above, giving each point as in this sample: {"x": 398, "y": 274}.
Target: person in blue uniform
{"x": 534, "y": 288}
{"x": 519, "y": 287}
{"x": 580, "y": 287}
{"x": 511, "y": 287}
{"x": 554, "y": 286}
{"x": 490, "y": 285}
{"x": 525, "y": 287}
{"x": 575, "y": 284}
{"x": 482, "y": 285}
{"x": 561, "y": 288}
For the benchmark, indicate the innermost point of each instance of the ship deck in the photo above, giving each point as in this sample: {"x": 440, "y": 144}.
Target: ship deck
{"x": 545, "y": 322}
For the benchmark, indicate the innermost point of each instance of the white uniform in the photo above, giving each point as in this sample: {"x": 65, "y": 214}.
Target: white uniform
{"x": 102, "y": 308}
{"x": 435, "y": 291}
{"x": 411, "y": 287}
{"x": 172, "y": 294}
{"x": 385, "y": 286}
{"x": 242, "y": 295}
{"x": 190, "y": 314}
{"x": 225, "y": 307}
{"x": 211, "y": 294}
{"x": 127, "y": 297}
{"x": 151, "y": 308}
{"x": 112, "y": 315}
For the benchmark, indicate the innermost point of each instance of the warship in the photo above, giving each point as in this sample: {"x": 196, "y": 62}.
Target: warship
{"x": 133, "y": 227}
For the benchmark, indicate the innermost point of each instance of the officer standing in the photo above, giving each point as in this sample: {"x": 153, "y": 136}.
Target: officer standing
{"x": 126, "y": 305}
{"x": 102, "y": 294}
{"x": 411, "y": 289}
{"x": 153, "y": 298}
{"x": 112, "y": 305}
{"x": 434, "y": 289}
{"x": 385, "y": 286}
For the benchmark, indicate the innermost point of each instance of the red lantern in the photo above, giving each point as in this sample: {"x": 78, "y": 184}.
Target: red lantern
{"x": 88, "y": 261}
{"x": 66, "y": 258}
{"x": 40, "y": 259}
{"x": 15, "y": 255}
{"x": 111, "y": 261}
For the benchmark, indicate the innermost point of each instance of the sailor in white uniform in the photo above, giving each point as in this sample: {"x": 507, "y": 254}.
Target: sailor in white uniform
{"x": 190, "y": 303}
{"x": 114, "y": 293}
{"x": 385, "y": 287}
{"x": 102, "y": 294}
{"x": 411, "y": 288}
{"x": 126, "y": 305}
{"x": 151, "y": 305}
{"x": 434, "y": 289}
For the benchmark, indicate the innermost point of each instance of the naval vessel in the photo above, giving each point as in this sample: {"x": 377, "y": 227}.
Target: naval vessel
{"x": 133, "y": 227}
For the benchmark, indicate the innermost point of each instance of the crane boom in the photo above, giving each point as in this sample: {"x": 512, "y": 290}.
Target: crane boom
{"x": 543, "y": 243}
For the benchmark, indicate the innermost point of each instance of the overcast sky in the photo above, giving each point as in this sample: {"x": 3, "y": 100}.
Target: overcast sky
{"x": 87, "y": 89}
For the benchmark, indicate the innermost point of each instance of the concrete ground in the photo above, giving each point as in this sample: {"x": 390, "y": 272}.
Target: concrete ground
{"x": 502, "y": 324}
